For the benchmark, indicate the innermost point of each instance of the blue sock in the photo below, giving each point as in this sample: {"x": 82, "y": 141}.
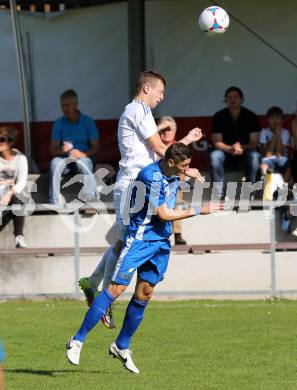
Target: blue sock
{"x": 132, "y": 320}
{"x": 94, "y": 314}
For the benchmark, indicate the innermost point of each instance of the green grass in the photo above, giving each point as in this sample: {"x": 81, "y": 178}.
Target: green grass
{"x": 180, "y": 345}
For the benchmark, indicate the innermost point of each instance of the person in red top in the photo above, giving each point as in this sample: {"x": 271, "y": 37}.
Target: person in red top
{"x": 167, "y": 128}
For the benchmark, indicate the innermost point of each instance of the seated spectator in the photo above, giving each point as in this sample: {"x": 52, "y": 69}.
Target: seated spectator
{"x": 235, "y": 131}
{"x": 13, "y": 179}
{"x": 74, "y": 135}
{"x": 288, "y": 215}
{"x": 294, "y": 135}
{"x": 275, "y": 142}
{"x": 167, "y": 129}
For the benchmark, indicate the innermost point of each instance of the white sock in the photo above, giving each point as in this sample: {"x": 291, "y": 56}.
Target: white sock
{"x": 97, "y": 276}
{"x": 110, "y": 265}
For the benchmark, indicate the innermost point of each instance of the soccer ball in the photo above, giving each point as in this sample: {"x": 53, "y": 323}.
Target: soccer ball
{"x": 214, "y": 20}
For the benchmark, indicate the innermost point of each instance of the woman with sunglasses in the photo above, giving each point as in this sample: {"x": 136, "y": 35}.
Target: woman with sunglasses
{"x": 13, "y": 179}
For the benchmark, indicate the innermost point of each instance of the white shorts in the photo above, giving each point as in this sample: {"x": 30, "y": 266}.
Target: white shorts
{"x": 121, "y": 197}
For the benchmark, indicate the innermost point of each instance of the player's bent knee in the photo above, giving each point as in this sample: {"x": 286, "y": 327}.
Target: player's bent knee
{"x": 116, "y": 289}
{"x": 143, "y": 297}
{"x": 144, "y": 291}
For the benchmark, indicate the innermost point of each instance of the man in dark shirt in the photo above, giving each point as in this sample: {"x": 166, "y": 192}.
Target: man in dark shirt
{"x": 235, "y": 133}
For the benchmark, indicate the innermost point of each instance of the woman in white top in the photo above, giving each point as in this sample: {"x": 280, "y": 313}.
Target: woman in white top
{"x": 13, "y": 179}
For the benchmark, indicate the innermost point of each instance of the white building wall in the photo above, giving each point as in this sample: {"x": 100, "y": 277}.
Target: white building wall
{"x": 87, "y": 49}
{"x": 199, "y": 68}
{"x": 84, "y": 49}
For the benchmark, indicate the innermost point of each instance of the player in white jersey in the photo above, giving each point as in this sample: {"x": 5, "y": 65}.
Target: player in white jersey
{"x": 140, "y": 144}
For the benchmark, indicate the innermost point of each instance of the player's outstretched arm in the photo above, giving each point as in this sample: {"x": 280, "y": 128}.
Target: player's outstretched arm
{"x": 211, "y": 207}
{"x": 166, "y": 214}
{"x": 195, "y": 174}
{"x": 157, "y": 145}
{"x": 193, "y": 135}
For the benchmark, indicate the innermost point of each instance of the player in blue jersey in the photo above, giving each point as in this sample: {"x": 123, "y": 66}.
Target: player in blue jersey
{"x": 140, "y": 144}
{"x": 2, "y": 359}
{"x": 146, "y": 249}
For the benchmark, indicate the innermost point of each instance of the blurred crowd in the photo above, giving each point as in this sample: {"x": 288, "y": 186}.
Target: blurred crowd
{"x": 238, "y": 143}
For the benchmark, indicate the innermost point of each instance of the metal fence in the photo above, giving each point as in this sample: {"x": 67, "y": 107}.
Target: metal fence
{"x": 100, "y": 208}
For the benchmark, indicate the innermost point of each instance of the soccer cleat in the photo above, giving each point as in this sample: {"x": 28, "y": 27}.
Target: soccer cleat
{"x": 20, "y": 242}
{"x": 125, "y": 356}
{"x": 108, "y": 318}
{"x": 87, "y": 290}
{"x": 73, "y": 348}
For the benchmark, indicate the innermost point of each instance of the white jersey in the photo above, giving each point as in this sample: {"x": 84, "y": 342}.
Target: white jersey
{"x": 136, "y": 125}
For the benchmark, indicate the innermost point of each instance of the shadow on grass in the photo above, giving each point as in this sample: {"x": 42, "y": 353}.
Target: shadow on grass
{"x": 52, "y": 373}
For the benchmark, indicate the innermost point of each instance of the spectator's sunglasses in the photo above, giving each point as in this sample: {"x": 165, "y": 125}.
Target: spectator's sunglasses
{"x": 4, "y": 139}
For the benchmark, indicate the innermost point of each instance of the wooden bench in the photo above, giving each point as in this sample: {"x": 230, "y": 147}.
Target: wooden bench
{"x": 69, "y": 251}
{"x": 44, "y": 252}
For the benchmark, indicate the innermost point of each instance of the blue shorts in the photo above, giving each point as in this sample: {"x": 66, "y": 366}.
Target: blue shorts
{"x": 149, "y": 258}
{"x": 2, "y": 354}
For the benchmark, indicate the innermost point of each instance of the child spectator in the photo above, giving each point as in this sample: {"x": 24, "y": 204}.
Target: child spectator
{"x": 275, "y": 142}
{"x": 294, "y": 135}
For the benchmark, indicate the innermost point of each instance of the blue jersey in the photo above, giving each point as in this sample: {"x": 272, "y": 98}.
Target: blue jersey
{"x": 79, "y": 133}
{"x": 2, "y": 353}
{"x": 152, "y": 189}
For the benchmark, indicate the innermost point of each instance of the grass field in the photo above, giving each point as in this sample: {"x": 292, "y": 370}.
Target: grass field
{"x": 180, "y": 345}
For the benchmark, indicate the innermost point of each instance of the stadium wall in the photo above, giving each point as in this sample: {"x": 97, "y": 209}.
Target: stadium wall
{"x": 87, "y": 49}
{"x": 108, "y": 148}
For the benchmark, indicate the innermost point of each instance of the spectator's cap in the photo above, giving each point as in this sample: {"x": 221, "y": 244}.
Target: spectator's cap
{"x": 233, "y": 88}
{"x": 275, "y": 111}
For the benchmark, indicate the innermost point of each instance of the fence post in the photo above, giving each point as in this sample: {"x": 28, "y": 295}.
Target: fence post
{"x": 76, "y": 217}
{"x": 272, "y": 252}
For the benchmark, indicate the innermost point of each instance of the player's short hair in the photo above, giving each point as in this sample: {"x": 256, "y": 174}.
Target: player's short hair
{"x": 148, "y": 76}
{"x": 178, "y": 152}
{"x": 231, "y": 89}
{"x": 69, "y": 94}
{"x": 275, "y": 111}
{"x": 10, "y": 133}
{"x": 168, "y": 119}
